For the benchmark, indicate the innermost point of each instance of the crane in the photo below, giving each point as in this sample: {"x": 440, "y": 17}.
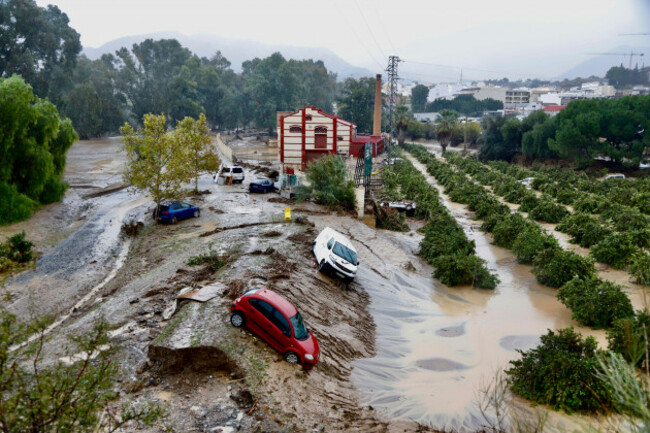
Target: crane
{"x": 631, "y": 54}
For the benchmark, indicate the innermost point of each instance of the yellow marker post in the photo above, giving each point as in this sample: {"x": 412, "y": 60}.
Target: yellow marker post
{"x": 287, "y": 214}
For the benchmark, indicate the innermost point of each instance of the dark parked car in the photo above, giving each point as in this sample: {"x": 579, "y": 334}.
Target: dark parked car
{"x": 261, "y": 185}
{"x": 175, "y": 211}
{"x": 276, "y": 321}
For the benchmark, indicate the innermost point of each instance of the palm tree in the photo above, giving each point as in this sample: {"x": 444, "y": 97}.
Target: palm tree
{"x": 402, "y": 118}
{"x": 445, "y": 126}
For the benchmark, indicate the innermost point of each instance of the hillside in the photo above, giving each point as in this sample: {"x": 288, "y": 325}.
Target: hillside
{"x": 236, "y": 51}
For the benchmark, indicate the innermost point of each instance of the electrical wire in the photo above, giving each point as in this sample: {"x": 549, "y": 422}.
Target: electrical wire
{"x": 372, "y": 34}
{"x": 362, "y": 43}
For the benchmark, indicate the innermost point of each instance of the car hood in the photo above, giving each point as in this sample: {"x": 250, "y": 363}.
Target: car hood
{"x": 310, "y": 345}
{"x": 351, "y": 266}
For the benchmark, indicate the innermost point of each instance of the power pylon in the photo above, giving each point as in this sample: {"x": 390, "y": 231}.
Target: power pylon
{"x": 392, "y": 90}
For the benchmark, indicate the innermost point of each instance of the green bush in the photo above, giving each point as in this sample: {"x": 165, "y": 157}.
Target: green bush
{"x": 506, "y": 230}
{"x": 529, "y": 202}
{"x": 560, "y": 372}
{"x": 18, "y": 249}
{"x": 455, "y": 270}
{"x": 640, "y": 268}
{"x": 330, "y": 183}
{"x": 566, "y": 196}
{"x": 548, "y": 211}
{"x": 531, "y": 242}
{"x": 616, "y": 250}
{"x": 595, "y": 302}
{"x": 584, "y": 229}
{"x": 626, "y": 337}
{"x": 13, "y": 205}
{"x": 588, "y": 204}
{"x": 555, "y": 267}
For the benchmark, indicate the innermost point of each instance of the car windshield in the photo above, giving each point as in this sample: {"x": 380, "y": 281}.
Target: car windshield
{"x": 299, "y": 329}
{"x": 345, "y": 253}
{"x": 237, "y": 170}
{"x": 251, "y": 291}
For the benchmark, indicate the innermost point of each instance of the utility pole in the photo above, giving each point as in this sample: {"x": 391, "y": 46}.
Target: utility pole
{"x": 392, "y": 92}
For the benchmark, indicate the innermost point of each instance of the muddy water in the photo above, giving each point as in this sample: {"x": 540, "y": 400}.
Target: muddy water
{"x": 437, "y": 346}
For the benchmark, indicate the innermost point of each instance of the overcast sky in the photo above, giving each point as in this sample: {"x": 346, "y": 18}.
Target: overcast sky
{"x": 508, "y": 37}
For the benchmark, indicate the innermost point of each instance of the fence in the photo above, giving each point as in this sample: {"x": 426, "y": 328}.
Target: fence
{"x": 223, "y": 148}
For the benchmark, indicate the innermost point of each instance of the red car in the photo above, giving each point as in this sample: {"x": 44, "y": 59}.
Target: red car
{"x": 276, "y": 320}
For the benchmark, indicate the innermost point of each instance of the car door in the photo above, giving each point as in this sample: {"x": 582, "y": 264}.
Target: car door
{"x": 257, "y": 318}
{"x": 187, "y": 210}
{"x": 274, "y": 327}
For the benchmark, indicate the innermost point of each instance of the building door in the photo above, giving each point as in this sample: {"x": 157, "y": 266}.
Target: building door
{"x": 320, "y": 137}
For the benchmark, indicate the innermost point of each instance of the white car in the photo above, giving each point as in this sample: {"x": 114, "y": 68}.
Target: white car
{"x": 335, "y": 253}
{"x": 234, "y": 171}
{"x": 615, "y": 176}
{"x": 527, "y": 182}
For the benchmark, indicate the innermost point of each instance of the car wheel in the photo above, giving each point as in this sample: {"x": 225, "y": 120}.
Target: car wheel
{"x": 237, "y": 319}
{"x": 322, "y": 266}
{"x": 174, "y": 220}
{"x": 197, "y": 213}
{"x": 291, "y": 357}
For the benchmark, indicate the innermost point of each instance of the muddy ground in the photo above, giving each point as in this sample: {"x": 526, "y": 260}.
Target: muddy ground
{"x": 400, "y": 351}
{"x": 210, "y": 376}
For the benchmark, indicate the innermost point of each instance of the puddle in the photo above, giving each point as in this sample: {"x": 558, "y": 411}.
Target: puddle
{"x": 436, "y": 346}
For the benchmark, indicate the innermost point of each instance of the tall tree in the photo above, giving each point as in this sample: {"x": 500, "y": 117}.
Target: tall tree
{"x": 419, "y": 95}
{"x": 402, "y": 119}
{"x": 194, "y": 136}
{"x": 155, "y": 162}
{"x": 356, "y": 102}
{"x": 446, "y": 124}
{"x": 33, "y": 145}
{"x": 38, "y": 44}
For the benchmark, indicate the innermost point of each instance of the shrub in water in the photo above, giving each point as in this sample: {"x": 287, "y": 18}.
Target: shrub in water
{"x": 587, "y": 204}
{"x": 584, "y": 229}
{"x": 560, "y": 372}
{"x": 616, "y": 250}
{"x": 595, "y": 302}
{"x": 506, "y": 230}
{"x": 555, "y": 267}
{"x": 531, "y": 242}
{"x": 529, "y": 202}
{"x": 640, "y": 268}
{"x": 626, "y": 336}
{"x": 548, "y": 211}
{"x": 455, "y": 270}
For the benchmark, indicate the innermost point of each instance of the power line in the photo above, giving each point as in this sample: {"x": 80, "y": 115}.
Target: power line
{"x": 369, "y": 28}
{"x": 362, "y": 43}
{"x": 466, "y": 68}
{"x": 386, "y": 32}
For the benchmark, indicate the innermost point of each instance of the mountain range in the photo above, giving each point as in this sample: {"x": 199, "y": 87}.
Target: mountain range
{"x": 236, "y": 51}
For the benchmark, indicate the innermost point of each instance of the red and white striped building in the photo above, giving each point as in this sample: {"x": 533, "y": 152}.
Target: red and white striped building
{"x": 309, "y": 133}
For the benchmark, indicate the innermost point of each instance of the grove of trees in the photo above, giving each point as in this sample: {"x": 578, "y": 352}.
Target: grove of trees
{"x": 587, "y": 129}
{"x": 34, "y": 140}
{"x": 464, "y": 104}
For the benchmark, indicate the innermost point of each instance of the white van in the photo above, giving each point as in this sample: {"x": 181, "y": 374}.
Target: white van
{"x": 234, "y": 171}
{"x": 335, "y": 253}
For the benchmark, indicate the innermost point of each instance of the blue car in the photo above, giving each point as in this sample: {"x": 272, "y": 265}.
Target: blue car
{"x": 175, "y": 211}
{"x": 261, "y": 185}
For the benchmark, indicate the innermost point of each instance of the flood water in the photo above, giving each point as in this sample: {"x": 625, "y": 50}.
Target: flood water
{"x": 438, "y": 346}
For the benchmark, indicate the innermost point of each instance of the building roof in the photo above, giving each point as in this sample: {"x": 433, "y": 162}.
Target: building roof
{"x": 554, "y": 108}
{"x": 363, "y": 139}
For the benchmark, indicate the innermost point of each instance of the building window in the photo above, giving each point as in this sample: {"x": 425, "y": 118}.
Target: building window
{"x": 308, "y": 117}
{"x": 295, "y": 129}
{"x": 320, "y": 137}
{"x": 339, "y": 138}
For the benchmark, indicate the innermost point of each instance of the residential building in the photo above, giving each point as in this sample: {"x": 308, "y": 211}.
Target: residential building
{"x": 496, "y": 93}
{"x": 309, "y": 133}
